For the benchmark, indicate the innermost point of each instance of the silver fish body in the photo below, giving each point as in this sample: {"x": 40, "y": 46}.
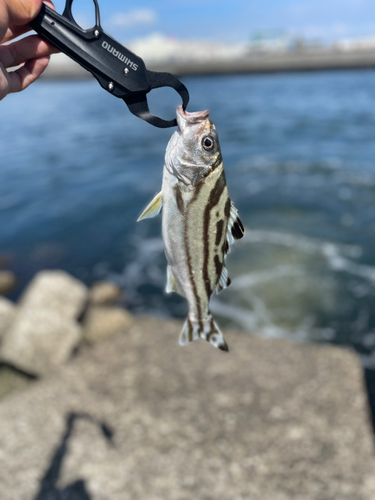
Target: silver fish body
{"x": 199, "y": 222}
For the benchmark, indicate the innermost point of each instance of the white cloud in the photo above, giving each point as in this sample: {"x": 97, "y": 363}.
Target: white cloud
{"x": 134, "y": 17}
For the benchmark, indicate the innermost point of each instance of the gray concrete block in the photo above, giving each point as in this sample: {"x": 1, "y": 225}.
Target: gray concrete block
{"x": 8, "y": 281}
{"x": 44, "y": 332}
{"x": 11, "y": 380}
{"x": 39, "y": 340}
{"x": 103, "y": 321}
{"x": 56, "y": 291}
{"x": 105, "y": 293}
{"x": 7, "y": 314}
{"x": 270, "y": 420}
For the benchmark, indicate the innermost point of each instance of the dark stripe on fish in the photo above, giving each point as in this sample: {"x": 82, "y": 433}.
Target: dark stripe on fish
{"x": 227, "y": 208}
{"x": 217, "y": 191}
{"x": 190, "y": 330}
{"x": 213, "y": 200}
{"x": 179, "y": 199}
{"x": 218, "y": 266}
{"x": 196, "y": 192}
{"x": 217, "y": 163}
{"x": 191, "y": 274}
{"x": 225, "y": 247}
{"x": 219, "y": 231}
{"x": 213, "y": 329}
{"x": 192, "y": 278}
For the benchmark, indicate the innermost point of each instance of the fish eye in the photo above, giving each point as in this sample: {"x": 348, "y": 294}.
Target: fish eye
{"x": 208, "y": 143}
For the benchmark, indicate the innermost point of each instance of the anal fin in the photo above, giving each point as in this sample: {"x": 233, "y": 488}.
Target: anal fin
{"x": 153, "y": 208}
{"x": 172, "y": 285}
{"x": 224, "y": 281}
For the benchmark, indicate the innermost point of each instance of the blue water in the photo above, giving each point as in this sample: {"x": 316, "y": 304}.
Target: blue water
{"x": 299, "y": 152}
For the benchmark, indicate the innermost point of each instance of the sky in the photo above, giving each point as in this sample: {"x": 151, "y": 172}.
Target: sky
{"x": 230, "y": 20}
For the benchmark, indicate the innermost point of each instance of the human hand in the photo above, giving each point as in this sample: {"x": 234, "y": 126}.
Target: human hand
{"x": 32, "y": 52}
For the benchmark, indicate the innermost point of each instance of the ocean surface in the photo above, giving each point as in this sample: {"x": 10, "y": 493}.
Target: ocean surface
{"x": 76, "y": 170}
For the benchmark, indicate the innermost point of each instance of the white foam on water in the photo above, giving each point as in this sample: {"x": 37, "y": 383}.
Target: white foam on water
{"x": 254, "y": 314}
{"x": 143, "y": 269}
{"x": 336, "y": 255}
{"x": 261, "y": 324}
{"x": 302, "y": 243}
{"x": 368, "y": 360}
{"x": 255, "y": 278}
{"x": 247, "y": 319}
{"x": 359, "y": 270}
{"x": 260, "y": 320}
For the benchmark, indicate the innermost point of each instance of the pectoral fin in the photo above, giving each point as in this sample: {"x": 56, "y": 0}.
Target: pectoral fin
{"x": 153, "y": 208}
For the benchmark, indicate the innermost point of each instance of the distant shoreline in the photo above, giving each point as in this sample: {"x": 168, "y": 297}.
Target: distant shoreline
{"x": 264, "y": 63}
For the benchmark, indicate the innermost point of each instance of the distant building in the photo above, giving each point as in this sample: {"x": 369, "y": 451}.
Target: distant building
{"x": 352, "y": 44}
{"x": 158, "y": 48}
{"x": 270, "y": 42}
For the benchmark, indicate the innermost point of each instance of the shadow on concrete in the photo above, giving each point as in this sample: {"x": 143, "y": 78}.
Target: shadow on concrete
{"x": 369, "y": 377}
{"x": 77, "y": 490}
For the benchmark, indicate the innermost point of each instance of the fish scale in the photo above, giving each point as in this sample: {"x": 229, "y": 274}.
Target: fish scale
{"x": 199, "y": 222}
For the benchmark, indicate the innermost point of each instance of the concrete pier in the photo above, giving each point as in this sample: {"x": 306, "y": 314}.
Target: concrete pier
{"x": 272, "y": 62}
{"x": 140, "y": 417}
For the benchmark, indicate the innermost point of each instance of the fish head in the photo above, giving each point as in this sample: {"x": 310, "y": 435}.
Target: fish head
{"x": 194, "y": 150}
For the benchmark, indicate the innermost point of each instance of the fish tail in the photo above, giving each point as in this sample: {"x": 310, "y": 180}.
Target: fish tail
{"x": 206, "y": 330}
{"x": 189, "y": 332}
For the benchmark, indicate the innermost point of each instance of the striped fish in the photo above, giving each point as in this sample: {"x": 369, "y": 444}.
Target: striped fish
{"x": 199, "y": 222}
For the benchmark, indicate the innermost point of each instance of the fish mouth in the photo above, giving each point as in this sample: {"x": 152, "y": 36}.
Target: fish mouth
{"x": 184, "y": 118}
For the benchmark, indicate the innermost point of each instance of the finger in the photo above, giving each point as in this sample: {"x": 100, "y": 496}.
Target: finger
{"x": 25, "y": 49}
{"x": 4, "y": 20}
{"x": 15, "y": 31}
{"x": 4, "y": 82}
{"x": 23, "y": 77}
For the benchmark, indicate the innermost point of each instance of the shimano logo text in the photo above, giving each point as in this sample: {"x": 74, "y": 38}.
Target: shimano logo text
{"x": 121, "y": 57}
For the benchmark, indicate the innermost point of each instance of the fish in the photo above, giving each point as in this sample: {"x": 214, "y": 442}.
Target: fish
{"x": 199, "y": 222}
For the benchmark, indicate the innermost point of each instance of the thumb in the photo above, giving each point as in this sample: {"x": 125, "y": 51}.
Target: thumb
{"x": 21, "y": 12}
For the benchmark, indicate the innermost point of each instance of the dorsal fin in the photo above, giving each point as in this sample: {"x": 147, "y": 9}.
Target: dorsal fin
{"x": 153, "y": 208}
{"x": 235, "y": 226}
